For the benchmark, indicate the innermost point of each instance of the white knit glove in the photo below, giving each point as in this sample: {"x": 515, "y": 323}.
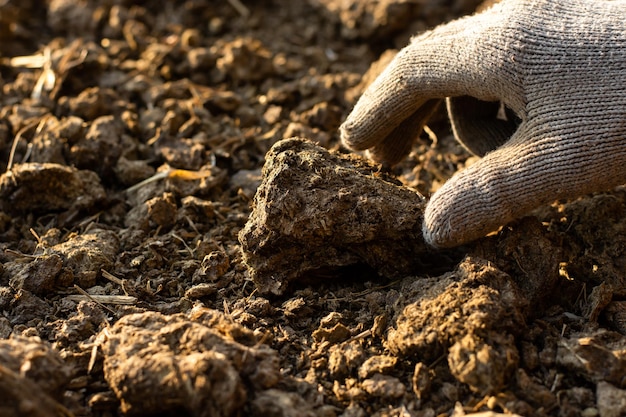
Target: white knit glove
{"x": 559, "y": 65}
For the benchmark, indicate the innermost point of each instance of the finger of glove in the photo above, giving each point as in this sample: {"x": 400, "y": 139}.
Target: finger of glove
{"x": 480, "y": 126}
{"x": 464, "y": 57}
{"x": 395, "y": 146}
{"x": 525, "y": 173}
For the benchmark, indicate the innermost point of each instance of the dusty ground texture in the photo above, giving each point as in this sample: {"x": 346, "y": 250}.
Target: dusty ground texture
{"x": 192, "y": 294}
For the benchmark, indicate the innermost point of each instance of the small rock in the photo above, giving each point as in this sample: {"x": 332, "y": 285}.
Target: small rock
{"x": 213, "y": 266}
{"x": 38, "y": 276}
{"x": 86, "y": 255}
{"x": 422, "y": 380}
{"x": 345, "y": 358}
{"x": 201, "y": 290}
{"x": 485, "y": 366}
{"x": 381, "y": 364}
{"x": 331, "y": 319}
{"x": 295, "y": 307}
{"x": 163, "y": 210}
{"x": 611, "y": 400}
{"x": 337, "y": 333}
{"x": 384, "y": 386}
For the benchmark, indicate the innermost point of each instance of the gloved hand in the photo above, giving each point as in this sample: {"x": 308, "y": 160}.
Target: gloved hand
{"x": 558, "y": 65}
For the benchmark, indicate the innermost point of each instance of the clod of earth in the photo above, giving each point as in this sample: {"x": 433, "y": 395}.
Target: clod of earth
{"x": 200, "y": 364}
{"x": 77, "y": 260}
{"x": 32, "y": 375}
{"x": 470, "y": 315}
{"x": 316, "y": 210}
{"x": 36, "y": 187}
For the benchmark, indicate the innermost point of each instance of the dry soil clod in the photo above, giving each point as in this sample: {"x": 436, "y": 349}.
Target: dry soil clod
{"x": 470, "y": 315}
{"x": 48, "y": 187}
{"x": 169, "y": 364}
{"x": 316, "y": 210}
{"x": 32, "y": 375}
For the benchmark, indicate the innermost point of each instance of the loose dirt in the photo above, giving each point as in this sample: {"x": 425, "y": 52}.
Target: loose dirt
{"x": 167, "y": 249}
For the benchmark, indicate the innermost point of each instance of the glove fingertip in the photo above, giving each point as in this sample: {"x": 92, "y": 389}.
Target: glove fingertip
{"x": 434, "y": 231}
{"x": 451, "y": 217}
{"x": 351, "y": 139}
{"x": 344, "y": 135}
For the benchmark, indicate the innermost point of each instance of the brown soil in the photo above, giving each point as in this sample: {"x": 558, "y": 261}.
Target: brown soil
{"x": 193, "y": 294}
